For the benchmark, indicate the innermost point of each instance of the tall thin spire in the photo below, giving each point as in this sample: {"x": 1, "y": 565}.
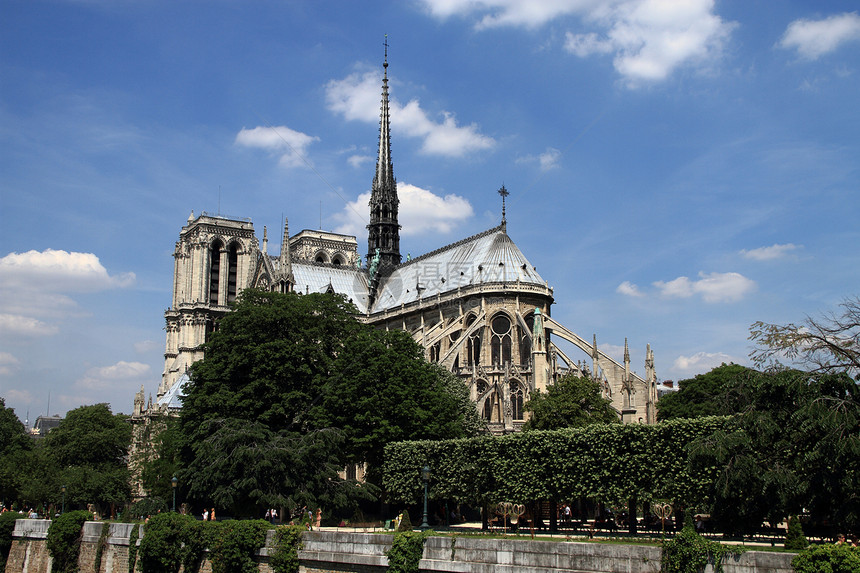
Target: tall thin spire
{"x": 504, "y": 193}
{"x": 384, "y": 230}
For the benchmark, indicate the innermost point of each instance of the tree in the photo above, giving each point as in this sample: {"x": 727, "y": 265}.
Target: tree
{"x": 14, "y": 446}
{"x": 829, "y": 344}
{"x": 157, "y": 472}
{"x": 709, "y": 394}
{"x": 569, "y": 403}
{"x": 91, "y": 446}
{"x": 292, "y": 387}
{"x": 794, "y": 447}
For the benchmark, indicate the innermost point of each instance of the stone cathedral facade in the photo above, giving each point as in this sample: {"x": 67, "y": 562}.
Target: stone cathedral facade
{"x": 477, "y": 306}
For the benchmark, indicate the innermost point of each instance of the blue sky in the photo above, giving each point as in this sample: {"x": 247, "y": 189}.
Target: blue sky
{"x": 677, "y": 170}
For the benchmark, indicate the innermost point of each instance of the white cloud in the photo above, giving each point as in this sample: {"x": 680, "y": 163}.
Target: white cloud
{"x": 775, "y": 251}
{"x": 699, "y": 363}
{"x": 359, "y": 161}
{"x": 814, "y": 38}
{"x": 58, "y": 271}
{"x": 13, "y": 326}
{"x": 357, "y": 98}
{"x": 649, "y": 38}
{"x": 8, "y": 363}
{"x": 713, "y": 287}
{"x": 106, "y": 376}
{"x": 291, "y": 144}
{"x": 34, "y": 284}
{"x": 629, "y": 289}
{"x": 421, "y": 211}
{"x": 546, "y": 160}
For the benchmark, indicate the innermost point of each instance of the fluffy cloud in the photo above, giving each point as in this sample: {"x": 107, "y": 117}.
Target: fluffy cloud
{"x": 421, "y": 211}
{"x": 629, "y": 289}
{"x": 357, "y": 98}
{"x": 713, "y": 287}
{"x": 649, "y": 38}
{"x": 699, "y": 363}
{"x": 106, "y": 376}
{"x": 291, "y": 145}
{"x": 775, "y": 251}
{"x": 58, "y": 271}
{"x": 35, "y": 284}
{"x": 814, "y": 38}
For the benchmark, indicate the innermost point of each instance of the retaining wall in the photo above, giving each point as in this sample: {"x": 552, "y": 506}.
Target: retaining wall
{"x": 343, "y": 552}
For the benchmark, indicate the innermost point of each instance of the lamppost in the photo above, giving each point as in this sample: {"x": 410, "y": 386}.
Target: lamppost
{"x": 425, "y": 475}
{"x": 173, "y": 482}
{"x": 64, "y": 499}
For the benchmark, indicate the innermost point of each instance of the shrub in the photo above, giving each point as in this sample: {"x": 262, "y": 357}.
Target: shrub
{"x": 288, "y": 542}
{"x": 794, "y": 538}
{"x": 405, "y": 523}
{"x": 7, "y": 526}
{"x": 64, "y": 540}
{"x": 147, "y": 506}
{"x": 236, "y": 545}
{"x": 689, "y": 552}
{"x": 827, "y": 559}
{"x": 406, "y": 551}
{"x": 161, "y": 549}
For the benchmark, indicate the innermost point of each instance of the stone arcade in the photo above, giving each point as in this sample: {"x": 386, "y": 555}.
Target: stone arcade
{"x": 477, "y": 306}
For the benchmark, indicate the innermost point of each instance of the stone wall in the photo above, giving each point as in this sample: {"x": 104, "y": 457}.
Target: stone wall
{"x": 343, "y": 552}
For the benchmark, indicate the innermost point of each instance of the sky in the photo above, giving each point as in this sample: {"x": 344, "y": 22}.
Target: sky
{"x": 678, "y": 170}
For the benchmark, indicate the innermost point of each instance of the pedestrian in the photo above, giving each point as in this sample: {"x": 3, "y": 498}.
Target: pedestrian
{"x": 205, "y": 515}
{"x": 212, "y": 514}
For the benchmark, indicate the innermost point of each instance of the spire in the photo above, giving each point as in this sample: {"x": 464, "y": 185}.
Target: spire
{"x": 265, "y": 241}
{"x": 384, "y": 230}
{"x": 504, "y": 193}
{"x": 285, "y": 269}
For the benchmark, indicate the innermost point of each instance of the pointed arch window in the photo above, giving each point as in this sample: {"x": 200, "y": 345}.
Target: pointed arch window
{"x": 517, "y": 397}
{"x": 232, "y": 272}
{"x": 473, "y": 345}
{"x": 500, "y": 345}
{"x": 215, "y": 270}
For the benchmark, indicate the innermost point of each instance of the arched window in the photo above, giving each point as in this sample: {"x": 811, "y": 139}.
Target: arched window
{"x": 516, "y": 400}
{"x": 500, "y": 345}
{"x": 232, "y": 271}
{"x": 337, "y": 260}
{"x": 321, "y": 257}
{"x": 473, "y": 345}
{"x": 215, "y": 270}
{"x": 434, "y": 352}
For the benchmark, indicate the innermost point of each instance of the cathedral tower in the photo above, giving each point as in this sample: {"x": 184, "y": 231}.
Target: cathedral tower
{"x": 383, "y": 232}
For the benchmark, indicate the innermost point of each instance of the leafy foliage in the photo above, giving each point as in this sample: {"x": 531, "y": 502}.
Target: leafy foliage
{"x": 295, "y": 387}
{"x": 406, "y": 551}
{"x": 133, "y": 536}
{"x": 827, "y": 559}
{"x": 709, "y": 394}
{"x": 146, "y": 507}
{"x": 795, "y": 445}
{"x": 157, "y": 472}
{"x": 64, "y": 540}
{"x": 7, "y": 527}
{"x": 571, "y": 402}
{"x": 288, "y": 542}
{"x": 611, "y": 463}
{"x": 90, "y": 446}
{"x": 236, "y": 544}
{"x": 169, "y": 541}
{"x": 795, "y": 540}
{"x": 15, "y": 446}
{"x": 689, "y": 552}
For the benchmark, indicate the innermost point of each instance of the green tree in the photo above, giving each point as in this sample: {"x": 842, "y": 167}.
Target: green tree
{"x": 571, "y": 402}
{"x": 90, "y": 446}
{"x": 157, "y": 473}
{"x": 14, "y": 447}
{"x": 708, "y": 394}
{"x": 794, "y": 447}
{"x": 295, "y": 387}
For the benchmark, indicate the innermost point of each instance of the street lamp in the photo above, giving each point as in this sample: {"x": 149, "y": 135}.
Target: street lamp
{"x": 173, "y": 482}
{"x": 64, "y": 499}
{"x": 425, "y": 475}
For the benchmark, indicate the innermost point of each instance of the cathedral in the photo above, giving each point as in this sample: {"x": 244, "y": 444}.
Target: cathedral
{"x": 476, "y": 306}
